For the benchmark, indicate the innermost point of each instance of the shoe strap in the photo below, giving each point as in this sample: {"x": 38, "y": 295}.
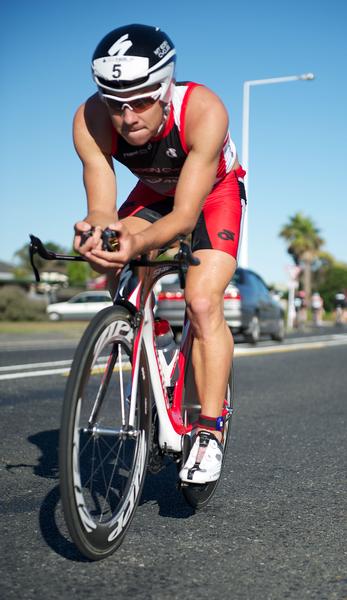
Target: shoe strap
{"x": 205, "y": 437}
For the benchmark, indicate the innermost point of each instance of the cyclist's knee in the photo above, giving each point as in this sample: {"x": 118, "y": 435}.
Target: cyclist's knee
{"x": 204, "y": 311}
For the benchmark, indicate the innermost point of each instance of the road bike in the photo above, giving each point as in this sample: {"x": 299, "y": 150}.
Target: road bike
{"x": 127, "y": 406}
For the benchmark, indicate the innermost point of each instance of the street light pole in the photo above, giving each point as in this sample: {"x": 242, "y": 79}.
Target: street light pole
{"x": 243, "y": 254}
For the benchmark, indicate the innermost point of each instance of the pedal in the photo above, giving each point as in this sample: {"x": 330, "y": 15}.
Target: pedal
{"x": 181, "y": 484}
{"x": 155, "y": 463}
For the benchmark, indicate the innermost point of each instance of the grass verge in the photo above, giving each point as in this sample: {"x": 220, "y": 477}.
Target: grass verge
{"x": 73, "y": 328}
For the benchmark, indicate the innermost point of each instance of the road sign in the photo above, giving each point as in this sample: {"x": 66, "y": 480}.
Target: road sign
{"x": 294, "y": 271}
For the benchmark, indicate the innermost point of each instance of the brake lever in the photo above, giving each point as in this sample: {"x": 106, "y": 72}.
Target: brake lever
{"x": 185, "y": 254}
{"x": 185, "y": 258}
{"x": 37, "y": 247}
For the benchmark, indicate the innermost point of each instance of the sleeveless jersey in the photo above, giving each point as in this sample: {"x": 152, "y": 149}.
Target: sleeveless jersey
{"x": 158, "y": 163}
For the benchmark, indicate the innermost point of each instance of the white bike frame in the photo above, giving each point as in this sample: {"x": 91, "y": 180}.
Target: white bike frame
{"x": 171, "y": 424}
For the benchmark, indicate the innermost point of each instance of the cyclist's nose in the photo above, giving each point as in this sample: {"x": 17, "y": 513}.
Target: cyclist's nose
{"x": 129, "y": 115}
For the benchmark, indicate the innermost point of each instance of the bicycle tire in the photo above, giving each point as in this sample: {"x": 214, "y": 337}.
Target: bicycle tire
{"x": 102, "y": 468}
{"x": 198, "y": 495}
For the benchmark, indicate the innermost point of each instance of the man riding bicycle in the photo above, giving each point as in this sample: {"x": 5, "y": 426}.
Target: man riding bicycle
{"x": 340, "y": 303}
{"x": 174, "y": 138}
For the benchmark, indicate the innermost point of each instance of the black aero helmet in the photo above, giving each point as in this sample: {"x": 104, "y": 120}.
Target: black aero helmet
{"x": 134, "y": 57}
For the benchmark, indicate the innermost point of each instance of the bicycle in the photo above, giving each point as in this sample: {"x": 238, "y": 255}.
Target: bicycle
{"x": 125, "y": 409}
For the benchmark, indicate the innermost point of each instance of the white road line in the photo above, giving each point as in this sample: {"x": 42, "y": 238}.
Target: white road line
{"x": 99, "y": 368}
{"x": 34, "y": 365}
{"x": 293, "y": 347}
{"x": 33, "y": 374}
{"x": 61, "y": 367}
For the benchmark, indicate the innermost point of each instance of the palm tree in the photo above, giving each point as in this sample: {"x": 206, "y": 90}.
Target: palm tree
{"x": 304, "y": 244}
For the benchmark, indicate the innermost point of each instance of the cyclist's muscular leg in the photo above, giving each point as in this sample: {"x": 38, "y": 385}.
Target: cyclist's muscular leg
{"x": 213, "y": 343}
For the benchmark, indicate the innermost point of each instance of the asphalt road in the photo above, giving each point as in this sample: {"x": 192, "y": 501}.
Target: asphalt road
{"x": 275, "y": 529}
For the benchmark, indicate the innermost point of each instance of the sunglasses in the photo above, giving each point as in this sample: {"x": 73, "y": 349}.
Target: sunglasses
{"x": 138, "y": 105}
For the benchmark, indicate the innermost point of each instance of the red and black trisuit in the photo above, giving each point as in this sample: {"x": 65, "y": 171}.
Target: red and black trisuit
{"x": 158, "y": 164}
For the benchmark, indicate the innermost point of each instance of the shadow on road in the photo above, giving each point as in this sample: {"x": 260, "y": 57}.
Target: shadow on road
{"x": 50, "y": 512}
{"x": 47, "y": 442}
{"x": 51, "y": 532}
{"x": 160, "y": 488}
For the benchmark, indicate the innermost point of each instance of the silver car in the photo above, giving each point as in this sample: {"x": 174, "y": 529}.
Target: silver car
{"x": 249, "y": 307}
{"x": 83, "y": 306}
{"x": 171, "y": 304}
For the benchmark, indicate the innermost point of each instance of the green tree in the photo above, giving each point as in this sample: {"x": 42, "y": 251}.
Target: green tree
{"x": 78, "y": 273}
{"x": 320, "y": 267}
{"x": 335, "y": 280}
{"x": 304, "y": 244}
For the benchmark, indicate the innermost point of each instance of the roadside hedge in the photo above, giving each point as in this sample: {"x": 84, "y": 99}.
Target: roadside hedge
{"x": 15, "y": 305}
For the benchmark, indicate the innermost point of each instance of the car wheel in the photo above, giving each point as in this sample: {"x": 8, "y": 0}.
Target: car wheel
{"x": 252, "y": 334}
{"x": 278, "y": 335}
{"x": 54, "y": 316}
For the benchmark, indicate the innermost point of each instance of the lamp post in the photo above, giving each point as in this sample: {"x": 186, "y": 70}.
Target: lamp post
{"x": 243, "y": 254}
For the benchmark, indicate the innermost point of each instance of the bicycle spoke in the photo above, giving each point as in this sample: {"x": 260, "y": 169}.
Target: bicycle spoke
{"x": 100, "y": 466}
{"x": 103, "y": 385}
{"x": 109, "y": 459}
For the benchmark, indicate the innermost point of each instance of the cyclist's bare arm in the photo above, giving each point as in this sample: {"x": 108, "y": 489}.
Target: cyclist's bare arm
{"x": 92, "y": 139}
{"x": 206, "y": 128}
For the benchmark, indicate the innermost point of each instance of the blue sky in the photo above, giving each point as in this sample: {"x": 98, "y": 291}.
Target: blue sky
{"x": 298, "y": 130}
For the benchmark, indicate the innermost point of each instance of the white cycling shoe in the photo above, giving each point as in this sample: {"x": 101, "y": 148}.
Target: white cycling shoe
{"x": 204, "y": 462}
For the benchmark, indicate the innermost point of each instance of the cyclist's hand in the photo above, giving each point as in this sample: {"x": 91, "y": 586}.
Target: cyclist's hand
{"x": 86, "y": 237}
{"x": 117, "y": 259}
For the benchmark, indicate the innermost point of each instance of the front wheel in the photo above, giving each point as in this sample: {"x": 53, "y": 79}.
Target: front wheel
{"x": 197, "y": 495}
{"x": 103, "y": 443}
{"x": 53, "y": 316}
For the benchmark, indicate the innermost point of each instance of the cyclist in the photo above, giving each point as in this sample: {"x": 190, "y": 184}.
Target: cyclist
{"x": 340, "y": 304}
{"x": 317, "y": 307}
{"x": 174, "y": 137}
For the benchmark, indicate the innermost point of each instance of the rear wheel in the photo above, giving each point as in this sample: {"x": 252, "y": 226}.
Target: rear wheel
{"x": 278, "y": 335}
{"x": 252, "y": 334}
{"x": 197, "y": 495}
{"x": 103, "y": 451}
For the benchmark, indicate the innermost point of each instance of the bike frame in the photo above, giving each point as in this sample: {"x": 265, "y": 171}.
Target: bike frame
{"x": 170, "y": 414}
{"x": 140, "y": 302}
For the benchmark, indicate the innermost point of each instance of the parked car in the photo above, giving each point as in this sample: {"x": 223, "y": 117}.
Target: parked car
{"x": 82, "y": 306}
{"x": 262, "y": 313}
{"x": 171, "y": 304}
{"x": 249, "y": 307}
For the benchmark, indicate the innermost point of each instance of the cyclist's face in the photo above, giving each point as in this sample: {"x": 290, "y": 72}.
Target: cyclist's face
{"x": 138, "y": 121}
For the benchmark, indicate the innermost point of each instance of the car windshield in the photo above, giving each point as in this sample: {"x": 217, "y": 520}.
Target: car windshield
{"x": 90, "y": 298}
{"x": 238, "y": 277}
{"x": 77, "y": 300}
